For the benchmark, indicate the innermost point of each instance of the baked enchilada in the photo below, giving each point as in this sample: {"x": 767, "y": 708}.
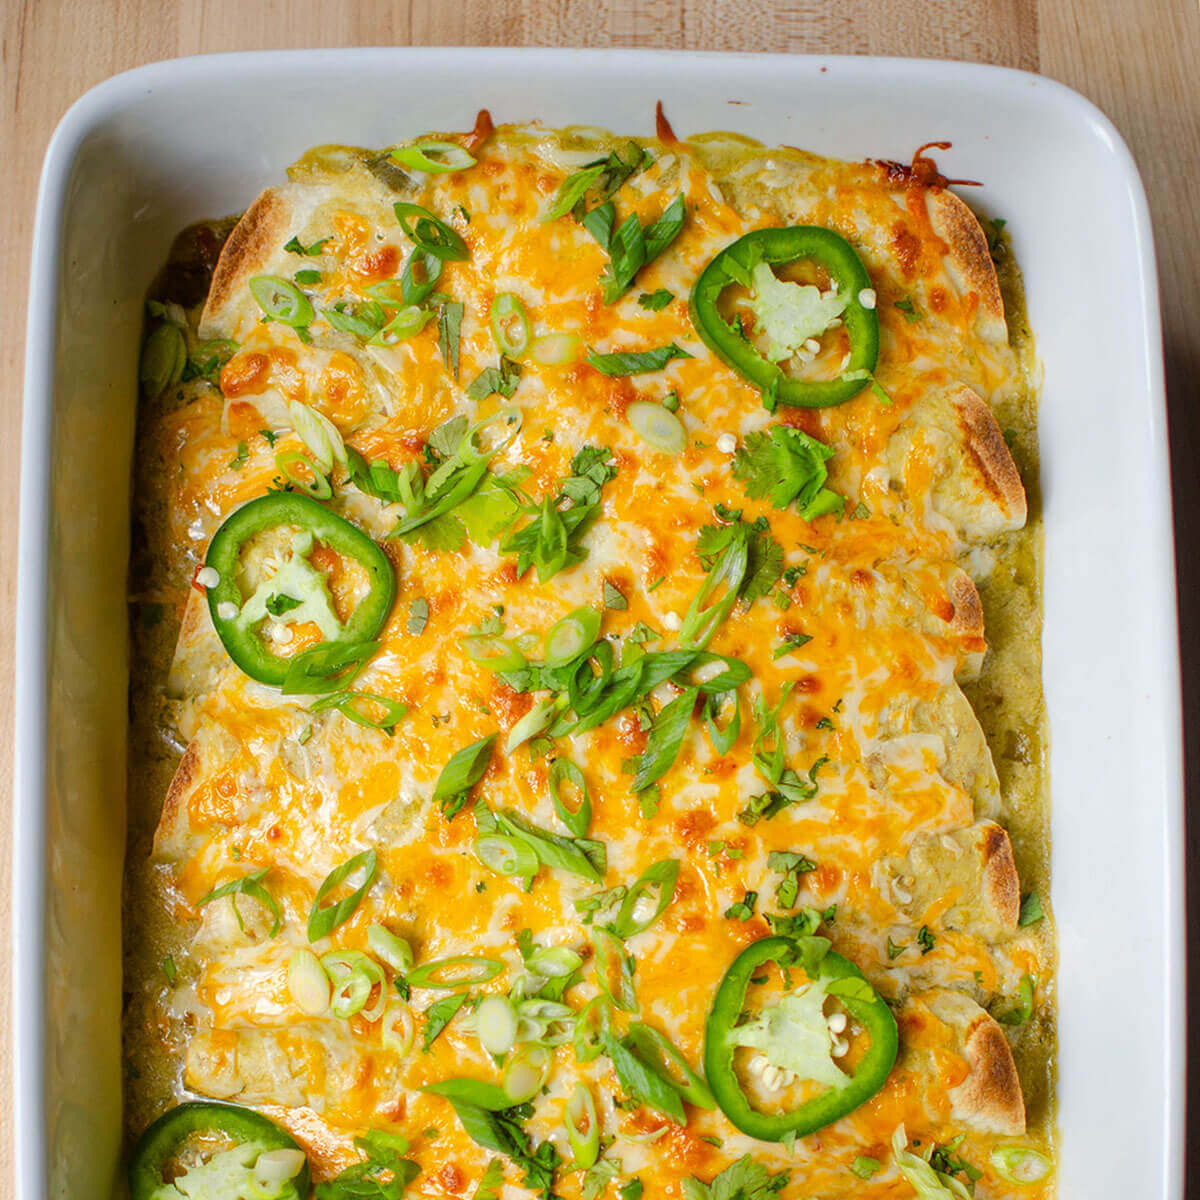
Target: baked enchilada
{"x": 587, "y": 714}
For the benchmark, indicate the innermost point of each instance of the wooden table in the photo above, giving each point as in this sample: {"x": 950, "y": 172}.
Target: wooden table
{"x": 1137, "y": 59}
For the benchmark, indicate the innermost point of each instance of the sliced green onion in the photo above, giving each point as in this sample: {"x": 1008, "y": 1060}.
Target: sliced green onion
{"x": 654, "y": 424}
{"x": 579, "y": 818}
{"x": 510, "y": 325}
{"x": 308, "y": 983}
{"x": 554, "y": 962}
{"x": 445, "y": 974}
{"x": 414, "y": 289}
{"x": 579, "y": 856}
{"x": 658, "y": 880}
{"x": 248, "y": 885}
{"x": 467, "y": 452}
{"x": 318, "y": 487}
{"x": 643, "y": 1083}
{"x": 593, "y": 1022}
{"x": 614, "y": 970}
{"x": 506, "y": 855}
{"x": 496, "y": 1024}
{"x": 348, "y": 704}
{"x": 583, "y": 1130}
{"x": 465, "y": 768}
{"x": 389, "y": 948}
{"x": 533, "y": 722}
{"x": 407, "y": 322}
{"x": 355, "y": 977}
{"x": 498, "y": 654}
{"x": 319, "y": 434}
{"x": 659, "y": 1052}
{"x": 571, "y": 636}
{"x": 435, "y": 158}
{"x": 323, "y": 921}
{"x": 722, "y": 738}
{"x": 536, "y": 1021}
{"x": 282, "y": 300}
{"x": 430, "y": 235}
{"x": 1020, "y": 1164}
{"x": 554, "y": 349}
{"x": 326, "y": 667}
{"x": 398, "y": 1029}
{"x": 526, "y": 1073}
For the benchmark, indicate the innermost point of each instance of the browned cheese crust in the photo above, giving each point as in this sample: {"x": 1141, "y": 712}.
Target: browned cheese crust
{"x": 968, "y": 261}
{"x": 984, "y": 441}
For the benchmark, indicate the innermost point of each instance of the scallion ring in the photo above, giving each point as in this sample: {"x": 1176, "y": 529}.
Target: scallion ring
{"x": 398, "y": 1029}
{"x": 592, "y": 1023}
{"x": 349, "y": 704}
{"x": 578, "y": 819}
{"x": 544, "y": 1021}
{"x": 282, "y": 300}
{"x": 656, "y": 426}
{"x": 506, "y": 855}
{"x": 470, "y": 452}
{"x": 724, "y": 736}
{"x": 496, "y": 1024}
{"x": 445, "y": 974}
{"x": 323, "y": 921}
{"x": 526, "y": 1072}
{"x": 571, "y": 636}
{"x": 510, "y": 325}
{"x": 389, "y": 948}
{"x": 494, "y": 652}
{"x": 533, "y": 722}
{"x": 407, "y": 322}
{"x": 583, "y": 1129}
{"x": 431, "y": 235}
{"x": 308, "y": 983}
{"x": 355, "y": 976}
{"x": 1020, "y": 1164}
{"x": 318, "y": 487}
{"x": 554, "y": 962}
{"x": 435, "y": 158}
{"x": 429, "y": 266}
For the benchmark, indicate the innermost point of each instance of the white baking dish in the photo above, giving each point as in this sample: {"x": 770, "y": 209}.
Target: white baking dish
{"x": 149, "y": 151}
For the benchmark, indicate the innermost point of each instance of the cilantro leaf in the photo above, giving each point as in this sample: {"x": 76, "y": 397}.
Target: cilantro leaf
{"x": 656, "y": 301}
{"x": 742, "y": 1180}
{"x": 786, "y": 464}
{"x": 438, "y": 1015}
{"x": 635, "y": 363}
{"x": 501, "y": 380}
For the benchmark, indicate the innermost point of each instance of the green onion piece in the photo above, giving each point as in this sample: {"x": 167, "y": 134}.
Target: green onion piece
{"x": 469, "y": 453}
{"x": 510, "y": 325}
{"x": 713, "y": 603}
{"x": 658, "y": 880}
{"x": 579, "y": 818}
{"x": 308, "y": 983}
{"x": 643, "y": 1083}
{"x": 407, "y": 322}
{"x": 571, "y": 636}
{"x": 282, "y": 300}
{"x": 323, "y": 921}
{"x": 249, "y": 885}
{"x": 164, "y": 356}
{"x": 496, "y": 1024}
{"x": 665, "y": 740}
{"x": 326, "y": 668}
{"x": 865, "y": 1167}
{"x": 532, "y": 723}
{"x": 554, "y": 962}
{"x": 435, "y": 158}
{"x": 592, "y": 1023}
{"x": 583, "y": 1129}
{"x": 544, "y": 1021}
{"x": 497, "y": 653}
{"x": 355, "y": 977}
{"x": 659, "y": 428}
{"x": 445, "y": 974}
{"x": 722, "y": 738}
{"x": 465, "y": 769}
{"x": 431, "y": 236}
{"x": 438, "y": 1015}
{"x": 398, "y": 1029}
{"x": 614, "y": 970}
{"x": 393, "y": 950}
{"x": 579, "y": 856}
{"x": 318, "y": 487}
{"x": 1031, "y": 909}
{"x": 419, "y": 278}
{"x": 506, "y": 855}
{"x": 660, "y": 1054}
{"x": 348, "y": 704}
{"x": 526, "y": 1073}
{"x": 554, "y": 349}
{"x": 1020, "y": 1164}
{"x": 477, "y": 1092}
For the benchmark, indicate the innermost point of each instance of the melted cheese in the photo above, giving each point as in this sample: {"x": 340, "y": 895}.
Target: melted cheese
{"x": 278, "y": 787}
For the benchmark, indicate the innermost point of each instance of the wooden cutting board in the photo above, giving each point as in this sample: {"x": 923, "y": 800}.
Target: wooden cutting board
{"x": 1137, "y": 59}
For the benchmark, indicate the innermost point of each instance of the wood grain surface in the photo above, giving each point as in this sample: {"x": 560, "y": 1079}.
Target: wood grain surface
{"x": 1137, "y": 59}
